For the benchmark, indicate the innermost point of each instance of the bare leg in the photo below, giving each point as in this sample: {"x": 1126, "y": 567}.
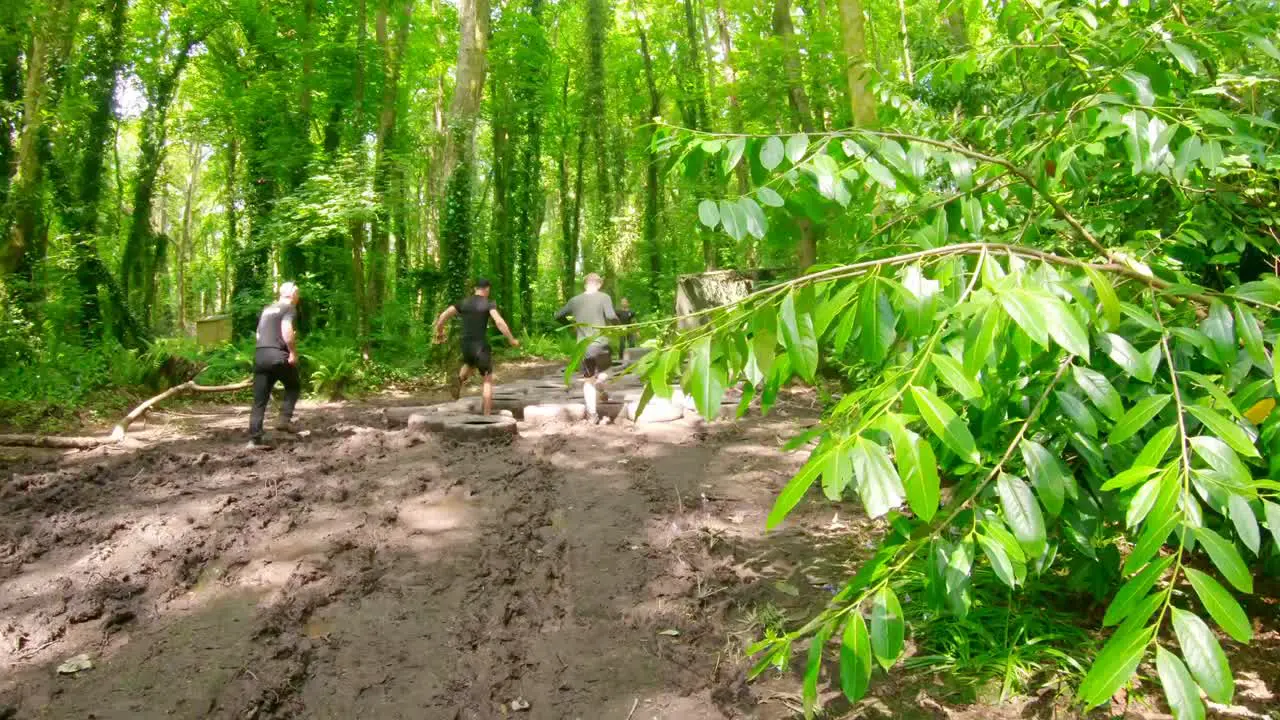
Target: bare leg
{"x": 488, "y": 394}
{"x": 589, "y": 396}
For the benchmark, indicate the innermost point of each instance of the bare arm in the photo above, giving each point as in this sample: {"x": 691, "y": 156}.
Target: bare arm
{"x": 290, "y": 335}
{"x": 502, "y": 327}
{"x": 440, "y": 321}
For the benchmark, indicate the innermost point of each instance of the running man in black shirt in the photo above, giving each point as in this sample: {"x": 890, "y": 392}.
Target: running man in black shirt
{"x": 276, "y": 359}
{"x": 475, "y": 313}
{"x": 591, "y": 311}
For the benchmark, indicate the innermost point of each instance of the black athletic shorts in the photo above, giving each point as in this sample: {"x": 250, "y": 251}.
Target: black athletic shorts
{"x": 596, "y": 361}
{"x": 478, "y": 357}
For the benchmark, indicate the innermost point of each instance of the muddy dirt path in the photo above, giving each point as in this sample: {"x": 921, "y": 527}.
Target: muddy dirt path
{"x": 586, "y": 572}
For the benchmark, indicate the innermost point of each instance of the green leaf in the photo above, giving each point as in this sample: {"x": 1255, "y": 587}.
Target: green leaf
{"x": 1227, "y": 431}
{"x": 797, "y": 147}
{"x": 944, "y": 423}
{"x": 1047, "y": 476}
{"x": 877, "y": 480}
{"x": 769, "y": 196}
{"x": 1127, "y": 357}
{"x": 982, "y": 341}
{"x": 1100, "y": 391}
{"x": 756, "y": 223}
{"x": 1227, "y": 468}
{"x": 837, "y": 472}
{"x": 1022, "y": 513}
{"x": 1142, "y": 502}
{"x": 1219, "y": 327}
{"x": 876, "y": 318}
{"x": 1156, "y": 448}
{"x": 1185, "y": 57}
{"x": 1245, "y": 522}
{"x": 764, "y": 338}
{"x": 1115, "y": 664}
{"x": 1250, "y": 335}
{"x": 709, "y": 213}
{"x": 1132, "y": 592}
{"x": 1023, "y": 307}
{"x": 799, "y": 337}
{"x": 917, "y": 467}
{"x": 1204, "y": 656}
{"x": 999, "y": 560}
{"x": 1221, "y": 606}
{"x": 1225, "y": 557}
{"x": 955, "y": 377}
{"x": 706, "y": 382}
{"x": 1180, "y": 690}
{"x": 736, "y": 147}
{"x": 973, "y": 219}
{"x": 1137, "y": 418}
{"x": 855, "y": 658}
{"x": 794, "y": 491}
{"x": 1152, "y": 539}
{"x": 1078, "y": 413}
{"x": 1129, "y": 478}
{"x": 729, "y": 220}
{"x": 1272, "y": 512}
{"x": 814, "y": 667}
{"x": 772, "y": 153}
{"x": 887, "y": 628}
{"x": 1063, "y": 326}
{"x": 1106, "y": 297}
{"x": 880, "y": 173}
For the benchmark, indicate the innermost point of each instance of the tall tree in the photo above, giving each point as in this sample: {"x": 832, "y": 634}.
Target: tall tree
{"x": 392, "y": 53}
{"x": 652, "y": 191}
{"x": 853, "y": 37}
{"x": 143, "y": 248}
{"x": 459, "y": 157}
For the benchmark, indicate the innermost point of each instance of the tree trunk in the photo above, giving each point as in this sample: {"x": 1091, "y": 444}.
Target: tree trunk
{"x": 188, "y": 215}
{"x": 393, "y": 56}
{"x": 853, "y": 37}
{"x": 138, "y": 259}
{"x": 652, "y": 192}
{"x": 957, "y": 25}
{"x": 11, "y": 53}
{"x": 785, "y": 31}
{"x": 80, "y": 212}
{"x": 500, "y": 245}
{"x": 731, "y": 80}
{"x": 906, "y": 41}
{"x": 456, "y": 224}
{"x": 23, "y": 250}
{"x": 527, "y": 196}
{"x": 597, "y": 25}
{"x": 570, "y": 248}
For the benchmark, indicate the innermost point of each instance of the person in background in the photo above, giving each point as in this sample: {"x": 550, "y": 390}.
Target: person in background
{"x": 591, "y": 311}
{"x": 626, "y": 316}
{"x": 276, "y": 359}
{"x": 475, "y": 313}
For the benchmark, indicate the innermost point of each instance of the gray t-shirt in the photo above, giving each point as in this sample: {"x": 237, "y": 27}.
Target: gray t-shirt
{"x": 270, "y": 330}
{"x": 590, "y": 309}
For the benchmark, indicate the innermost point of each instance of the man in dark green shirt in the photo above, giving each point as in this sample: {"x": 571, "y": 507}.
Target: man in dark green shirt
{"x": 591, "y": 311}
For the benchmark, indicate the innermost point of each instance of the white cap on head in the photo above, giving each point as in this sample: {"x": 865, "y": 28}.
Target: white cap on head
{"x": 288, "y": 290}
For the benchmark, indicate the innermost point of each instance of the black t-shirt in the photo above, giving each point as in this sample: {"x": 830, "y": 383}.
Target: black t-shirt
{"x": 626, "y": 316}
{"x": 474, "y": 313}
{"x": 270, "y": 331}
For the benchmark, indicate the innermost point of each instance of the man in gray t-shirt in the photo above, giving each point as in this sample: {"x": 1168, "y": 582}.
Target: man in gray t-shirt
{"x": 591, "y": 311}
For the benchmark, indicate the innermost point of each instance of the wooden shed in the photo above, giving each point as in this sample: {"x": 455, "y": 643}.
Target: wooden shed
{"x": 213, "y": 330}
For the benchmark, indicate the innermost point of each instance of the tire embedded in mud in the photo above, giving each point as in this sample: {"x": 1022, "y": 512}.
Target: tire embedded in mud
{"x": 465, "y": 428}
{"x": 545, "y": 413}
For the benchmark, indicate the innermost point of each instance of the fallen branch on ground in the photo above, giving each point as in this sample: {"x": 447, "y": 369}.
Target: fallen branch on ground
{"x": 189, "y": 386}
{"x": 122, "y": 427}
